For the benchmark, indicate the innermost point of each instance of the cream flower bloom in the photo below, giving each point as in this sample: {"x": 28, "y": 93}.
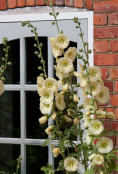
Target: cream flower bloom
{"x": 64, "y": 65}
{"x": 46, "y": 108}
{"x": 76, "y": 99}
{"x": 70, "y": 53}
{"x": 82, "y": 79}
{"x": 61, "y": 41}
{"x": 101, "y": 172}
{"x": 40, "y": 87}
{"x": 75, "y": 73}
{"x": 68, "y": 119}
{"x": 76, "y": 120}
{"x": 95, "y": 73}
{"x": 46, "y": 96}
{"x": 60, "y": 101}
{"x": 40, "y": 79}
{"x": 101, "y": 113}
{"x": 91, "y": 156}
{"x": 53, "y": 116}
{"x": 55, "y": 50}
{"x": 49, "y": 129}
{"x": 65, "y": 87}
{"x": 96, "y": 127}
{"x": 111, "y": 115}
{"x": 71, "y": 164}
{"x": 87, "y": 105}
{"x": 43, "y": 119}
{"x": 55, "y": 150}
{"x": 1, "y": 87}
{"x": 51, "y": 83}
{"x": 86, "y": 120}
{"x": 96, "y": 88}
{"x": 104, "y": 145}
{"x": 61, "y": 75}
{"x": 88, "y": 138}
{"x": 103, "y": 96}
{"x": 98, "y": 159}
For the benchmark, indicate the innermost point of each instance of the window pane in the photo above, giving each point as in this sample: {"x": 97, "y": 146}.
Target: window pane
{"x": 32, "y": 61}
{"x": 33, "y": 128}
{"x": 8, "y": 157}
{"x": 12, "y": 73}
{"x": 36, "y": 157}
{"x": 10, "y": 114}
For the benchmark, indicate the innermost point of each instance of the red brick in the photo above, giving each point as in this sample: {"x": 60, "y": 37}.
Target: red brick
{"x": 95, "y": 141}
{"x": 114, "y": 46}
{"x": 101, "y": 104}
{"x": 69, "y": 2}
{"x": 30, "y": 2}
{"x": 48, "y": 2}
{"x": 100, "y": 46}
{"x": 78, "y": 3}
{"x": 3, "y": 4}
{"x": 106, "y": 125}
{"x": 21, "y": 3}
{"x": 109, "y": 85}
{"x": 110, "y": 110}
{"x": 114, "y": 73}
{"x": 114, "y": 100}
{"x": 12, "y": 4}
{"x": 117, "y": 113}
{"x": 114, "y": 125}
{"x": 40, "y": 2}
{"x": 113, "y": 18}
{"x": 105, "y": 32}
{"x": 116, "y": 86}
{"x": 100, "y": 19}
{"x": 105, "y": 59}
{"x": 105, "y": 6}
{"x": 104, "y": 72}
{"x": 88, "y": 4}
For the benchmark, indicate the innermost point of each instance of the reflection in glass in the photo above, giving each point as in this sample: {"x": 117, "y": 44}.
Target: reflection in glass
{"x": 10, "y": 114}
{"x": 8, "y": 157}
{"x": 12, "y": 73}
{"x": 33, "y": 128}
{"x": 36, "y": 157}
{"x": 32, "y": 61}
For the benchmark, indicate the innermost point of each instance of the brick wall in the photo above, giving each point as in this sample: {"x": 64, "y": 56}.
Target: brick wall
{"x": 105, "y": 42}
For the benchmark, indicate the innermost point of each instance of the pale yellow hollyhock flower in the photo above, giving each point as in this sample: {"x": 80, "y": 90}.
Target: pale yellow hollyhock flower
{"x": 96, "y": 88}
{"x": 76, "y": 120}
{"x": 1, "y": 87}
{"x": 60, "y": 101}
{"x": 43, "y": 119}
{"x": 70, "y": 53}
{"x": 88, "y": 138}
{"x": 71, "y": 164}
{"x": 81, "y": 67}
{"x": 65, "y": 87}
{"x": 55, "y": 150}
{"x": 98, "y": 160}
{"x": 55, "y": 50}
{"x": 46, "y": 96}
{"x": 51, "y": 83}
{"x": 86, "y": 120}
{"x": 61, "y": 41}
{"x": 96, "y": 127}
{"x": 40, "y": 87}
{"x": 68, "y": 119}
{"x": 53, "y": 116}
{"x": 101, "y": 172}
{"x": 61, "y": 75}
{"x": 87, "y": 105}
{"x": 111, "y": 115}
{"x": 64, "y": 65}
{"x": 95, "y": 73}
{"x": 46, "y": 108}
{"x": 82, "y": 79}
{"x": 49, "y": 129}
{"x": 76, "y": 99}
{"x": 104, "y": 145}
{"x": 101, "y": 113}
{"x": 103, "y": 96}
{"x": 91, "y": 156}
{"x": 40, "y": 79}
{"x": 75, "y": 73}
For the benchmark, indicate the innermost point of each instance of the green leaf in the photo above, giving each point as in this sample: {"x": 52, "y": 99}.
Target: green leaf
{"x": 48, "y": 169}
{"x": 112, "y": 165}
{"x": 46, "y": 142}
{"x": 90, "y": 171}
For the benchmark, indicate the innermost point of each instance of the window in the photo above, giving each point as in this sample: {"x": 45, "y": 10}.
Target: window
{"x": 20, "y": 132}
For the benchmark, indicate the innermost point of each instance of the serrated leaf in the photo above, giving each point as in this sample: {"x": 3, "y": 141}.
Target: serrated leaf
{"x": 46, "y": 142}
{"x": 48, "y": 169}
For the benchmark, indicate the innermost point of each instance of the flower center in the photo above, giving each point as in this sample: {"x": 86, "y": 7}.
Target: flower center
{"x": 65, "y": 64}
{"x": 101, "y": 94}
{"x": 104, "y": 145}
{"x": 47, "y": 95}
{"x": 69, "y": 54}
{"x": 49, "y": 85}
{"x": 62, "y": 41}
{"x": 93, "y": 73}
{"x": 97, "y": 127}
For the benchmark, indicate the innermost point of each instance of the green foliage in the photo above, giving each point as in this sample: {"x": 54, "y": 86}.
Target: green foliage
{"x": 90, "y": 171}
{"x": 46, "y": 142}
{"x": 112, "y": 165}
{"x": 48, "y": 169}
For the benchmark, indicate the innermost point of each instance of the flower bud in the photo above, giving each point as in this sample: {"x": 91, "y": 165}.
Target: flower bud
{"x": 49, "y": 129}
{"x": 9, "y": 63}
{"x": 53, "y": 116}
{"x": 76, "y": 99}
{"x": 76, "y": 120}
{"x": 91, "y": 156}
{"x": 55, "y": 150}
{"x": 43, "y": 119}
{"x": 65, "y": 87}
{"x": 68, "y": 119}
{"x": 75, "y": 73}
{"x": 88, "y": 113}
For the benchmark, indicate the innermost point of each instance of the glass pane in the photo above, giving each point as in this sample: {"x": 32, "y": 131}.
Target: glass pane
{"x": 32, "y": 61}
{"x": 33, "y": 128}
{"x": 10, "y": 114}
{"x": 36, "y": 157}
{"x": 12, "y": 73}
{"x": 74, "y": 80}
{"x": 8, "y": 157}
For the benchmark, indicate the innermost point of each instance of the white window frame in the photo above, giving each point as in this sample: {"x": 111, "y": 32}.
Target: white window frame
{"x": 23, "y": 141}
